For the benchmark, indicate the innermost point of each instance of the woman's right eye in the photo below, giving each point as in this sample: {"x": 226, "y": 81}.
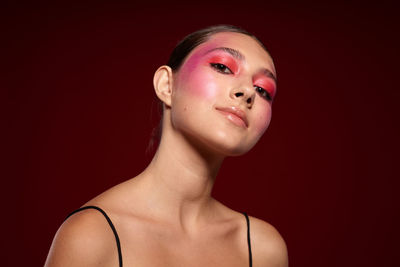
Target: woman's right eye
{"x": 221, "y": 68}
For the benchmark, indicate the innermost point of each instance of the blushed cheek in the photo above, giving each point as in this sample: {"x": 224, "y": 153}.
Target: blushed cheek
{"x": 198, "y": 79}
{"x": 203, "y": 86}
{"x": 262, "y": 121}
{"x": 199, "y": 83}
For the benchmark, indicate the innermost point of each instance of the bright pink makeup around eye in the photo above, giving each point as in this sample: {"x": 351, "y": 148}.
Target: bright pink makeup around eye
{"x": 266, "y": 83}
{"x": 226, "y": 60}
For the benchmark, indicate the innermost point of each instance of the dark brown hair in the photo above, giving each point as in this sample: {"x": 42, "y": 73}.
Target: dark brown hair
{"x": 178, "y": 55}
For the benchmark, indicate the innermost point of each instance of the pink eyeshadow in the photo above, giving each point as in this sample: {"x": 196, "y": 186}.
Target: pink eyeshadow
{"x": 226, "y": 60}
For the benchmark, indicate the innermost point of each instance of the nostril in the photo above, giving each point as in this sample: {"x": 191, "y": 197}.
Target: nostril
{"x": 248, "y": 100}
{"x": 239, "y": 94}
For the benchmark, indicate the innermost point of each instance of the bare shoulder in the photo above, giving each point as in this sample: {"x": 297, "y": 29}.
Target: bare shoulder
{"x": 84, "y": 239}
{"x": 268, "y": 246}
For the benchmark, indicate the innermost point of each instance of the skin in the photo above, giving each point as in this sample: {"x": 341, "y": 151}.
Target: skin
{"x": 166, "y": 216}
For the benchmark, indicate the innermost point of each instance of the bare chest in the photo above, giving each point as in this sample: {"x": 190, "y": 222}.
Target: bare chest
{"x": 199, "y": 255}
{"x": 211, "y": 249}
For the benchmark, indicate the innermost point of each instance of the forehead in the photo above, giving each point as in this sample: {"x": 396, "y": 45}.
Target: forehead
{"x": 253, "y": 52}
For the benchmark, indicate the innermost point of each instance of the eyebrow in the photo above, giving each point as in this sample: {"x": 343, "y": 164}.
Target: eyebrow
{"x": 236, "y": 54}
{"x": 269, "y": 74}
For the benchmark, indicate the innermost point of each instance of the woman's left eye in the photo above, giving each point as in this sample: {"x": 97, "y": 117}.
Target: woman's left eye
{"x": 221, "y": 68}
{"x": 264, "y": 93}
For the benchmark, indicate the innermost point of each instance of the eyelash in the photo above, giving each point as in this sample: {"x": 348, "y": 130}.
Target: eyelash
{"x": 221, "y": 68}
{"x": 264, "y": 93}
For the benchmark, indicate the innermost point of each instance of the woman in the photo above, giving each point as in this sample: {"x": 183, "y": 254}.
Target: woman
{"x": 217, "y": 90}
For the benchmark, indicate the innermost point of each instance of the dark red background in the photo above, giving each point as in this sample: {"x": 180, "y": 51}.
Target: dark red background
{"x": 79, "y": 99}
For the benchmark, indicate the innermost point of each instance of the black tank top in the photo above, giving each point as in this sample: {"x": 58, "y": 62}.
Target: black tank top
{"x": 119, "y": 244}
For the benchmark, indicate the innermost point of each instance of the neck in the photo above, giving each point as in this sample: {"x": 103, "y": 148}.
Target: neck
{"x": 179, "y": 180}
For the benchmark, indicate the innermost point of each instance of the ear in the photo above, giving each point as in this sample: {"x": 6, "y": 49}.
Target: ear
{"x": 162, "y": 81}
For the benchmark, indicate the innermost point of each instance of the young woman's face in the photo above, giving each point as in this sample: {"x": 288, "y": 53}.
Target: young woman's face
{"x": 223, "y": 92}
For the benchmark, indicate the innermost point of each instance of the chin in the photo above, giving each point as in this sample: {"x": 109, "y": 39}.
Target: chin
{"x": 236, "y": 151}
{"x": 228, "y": 147}
{"x": 222, "y": 141}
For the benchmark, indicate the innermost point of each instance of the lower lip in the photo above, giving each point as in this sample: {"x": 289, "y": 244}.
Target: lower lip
{"x": 234, "y": 118}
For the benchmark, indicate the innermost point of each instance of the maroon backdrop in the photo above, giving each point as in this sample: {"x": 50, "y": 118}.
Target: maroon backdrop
{"x": 79, "y": 98}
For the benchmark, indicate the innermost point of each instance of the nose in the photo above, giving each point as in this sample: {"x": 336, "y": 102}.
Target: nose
{"x": 245, "y": 94}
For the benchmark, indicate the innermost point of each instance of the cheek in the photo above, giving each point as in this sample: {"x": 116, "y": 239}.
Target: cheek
{"x": 262, "y": 119}
{"x": 204, "y": 86}
{"x": 199, "y": 83}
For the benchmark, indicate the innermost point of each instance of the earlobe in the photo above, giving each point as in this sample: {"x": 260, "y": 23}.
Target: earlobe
{"x": 162, "y": 82}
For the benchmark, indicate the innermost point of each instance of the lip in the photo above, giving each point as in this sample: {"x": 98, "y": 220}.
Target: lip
{"x": 235, "y": 114}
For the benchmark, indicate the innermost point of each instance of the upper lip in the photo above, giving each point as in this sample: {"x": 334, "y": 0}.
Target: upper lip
{"x": 235, "y": 111}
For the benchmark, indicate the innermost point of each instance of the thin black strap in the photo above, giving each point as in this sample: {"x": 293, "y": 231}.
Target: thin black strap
{"x": 248, "y": 239}
{"x": 109, "y": 222}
